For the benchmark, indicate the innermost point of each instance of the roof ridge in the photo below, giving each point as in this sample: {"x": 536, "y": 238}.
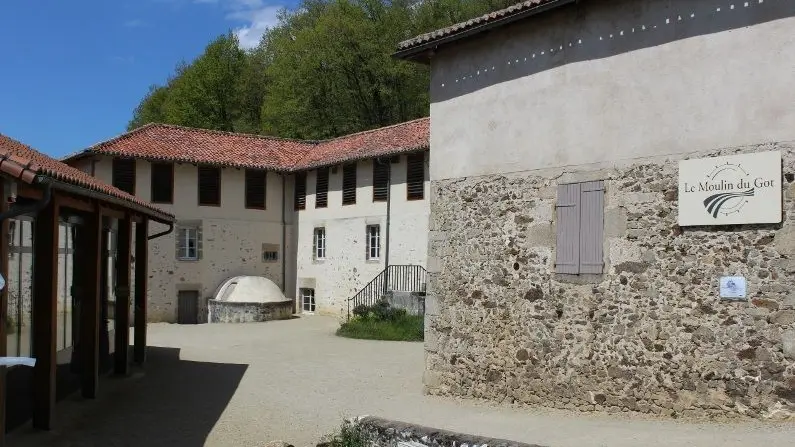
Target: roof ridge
{"x": 234, "y": 134}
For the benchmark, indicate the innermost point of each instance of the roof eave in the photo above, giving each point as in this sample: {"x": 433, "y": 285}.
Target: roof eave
{"x": 423, "y": 52}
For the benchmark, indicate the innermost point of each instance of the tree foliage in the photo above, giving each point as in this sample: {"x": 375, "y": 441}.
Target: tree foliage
{"x": 325, "y": 70}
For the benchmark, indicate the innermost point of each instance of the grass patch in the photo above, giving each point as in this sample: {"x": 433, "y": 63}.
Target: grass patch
{"x": 400, "y": 328}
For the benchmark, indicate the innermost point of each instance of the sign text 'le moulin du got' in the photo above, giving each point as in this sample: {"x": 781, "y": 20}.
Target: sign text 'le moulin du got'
{"x": 735, "y": 189}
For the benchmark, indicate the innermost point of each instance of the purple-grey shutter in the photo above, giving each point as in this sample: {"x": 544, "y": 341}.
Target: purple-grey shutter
{"x": 568, "y": 229}
{"x": 592, "y": 227}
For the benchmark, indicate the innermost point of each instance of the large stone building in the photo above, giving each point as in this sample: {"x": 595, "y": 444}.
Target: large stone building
{"x": 311, "y": 216}
{"x": 564, "y": 266}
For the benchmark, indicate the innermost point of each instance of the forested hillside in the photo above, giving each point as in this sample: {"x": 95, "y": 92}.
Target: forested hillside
{"x": 325, "y": 70}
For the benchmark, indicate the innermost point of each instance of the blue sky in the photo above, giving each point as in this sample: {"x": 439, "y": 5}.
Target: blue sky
{"x": 72, "y": 71}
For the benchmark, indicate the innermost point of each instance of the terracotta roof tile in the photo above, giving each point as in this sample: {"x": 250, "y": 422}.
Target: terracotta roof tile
{"x": 189, "y": 145}
{"x": 459, "y": 28}
{"x": 21, "y": 161}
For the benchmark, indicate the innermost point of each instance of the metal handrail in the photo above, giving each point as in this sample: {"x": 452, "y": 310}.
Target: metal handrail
{"x": 403, "y": 278}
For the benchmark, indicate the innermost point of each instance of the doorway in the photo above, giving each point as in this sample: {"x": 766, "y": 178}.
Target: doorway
{"x": 188, "y": 307}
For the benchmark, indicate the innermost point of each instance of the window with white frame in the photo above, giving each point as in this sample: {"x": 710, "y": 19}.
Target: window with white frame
{"x": 319, "y": 243}
{"x": 373, "y": 242}
{"x": 189, "y": 243}
{"x": 308, "y": 300}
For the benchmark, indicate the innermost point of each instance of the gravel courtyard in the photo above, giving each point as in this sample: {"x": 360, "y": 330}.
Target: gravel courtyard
{"x": 244, "y": 385}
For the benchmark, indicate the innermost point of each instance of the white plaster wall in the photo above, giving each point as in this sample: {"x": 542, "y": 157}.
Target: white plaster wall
{"x": 232, "y": 237}
{"x": 614, "y": 80}
{"x": 346, "y": 270}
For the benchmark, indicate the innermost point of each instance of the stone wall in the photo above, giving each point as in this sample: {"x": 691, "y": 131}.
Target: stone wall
{"x": 385, "y": 433}
{"x": 649, "y": 335}
{"x": 232, "y": 312}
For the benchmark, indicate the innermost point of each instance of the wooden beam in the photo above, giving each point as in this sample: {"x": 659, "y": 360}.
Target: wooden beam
{"x": 141, "y": 276}
{"x": 89, "y": 269}
{"x": 76, "y": 204}
{"x": 113, "y": 212}
{"x": 29, "y": 192}
{"x": 123, "y": 283}
{"x": 3, "y": 310}
{"x": 45, "y": 305}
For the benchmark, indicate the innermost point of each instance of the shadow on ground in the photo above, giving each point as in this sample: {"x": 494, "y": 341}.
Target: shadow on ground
{"x": 174, "y": 402}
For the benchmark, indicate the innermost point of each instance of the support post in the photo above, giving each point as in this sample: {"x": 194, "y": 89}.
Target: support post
{"x": 3, "y": 310}
{"x": 141, "y": 275}
{"x": 45, "y": 305}
{"x": 123, "y": 276}
{"x": 90, "y": 237}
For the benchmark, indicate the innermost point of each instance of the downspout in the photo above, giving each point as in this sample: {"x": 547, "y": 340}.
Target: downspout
{"x": 388, "y": 222}
{"x": 32, "y": 208}
{"x": 284, "y": 233}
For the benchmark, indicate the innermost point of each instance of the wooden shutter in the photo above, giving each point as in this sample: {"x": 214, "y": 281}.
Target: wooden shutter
{"x": 199, "y": 244}
{"x": 380, "y": 181}
{"x": 162, "y": 183}
{"x": 415, "y": 176}
{"x": 349, "y": 184}
{"x": 321, "y": 188}
{"x": 299, "y": 201}
{"x": 591, "y": 227}
{"x": 568, "y": 229}
{"x": 180, "y": 245}
{"x": 256, "y": 181}
{"x": 124, "y": 174}
{"x": 209, "y": 186}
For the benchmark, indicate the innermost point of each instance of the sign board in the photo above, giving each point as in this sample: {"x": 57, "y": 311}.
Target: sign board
{"x": 736, "y": 189}
{"x": 732, "y": 287}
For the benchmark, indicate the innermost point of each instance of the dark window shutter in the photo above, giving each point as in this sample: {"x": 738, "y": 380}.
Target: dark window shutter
{"x": 321, "y": 188}
{"x": 415, "y": 176}
{"x": 300, "y": 191}
{"x": 162, "y": 183}
{"x": 349, "y": 184}
{"x": 199, "y": 243}
{"x": 209, "y": 186}
{"x": 124, "y": 174}
{"x": 591, "y": 227}
{"x": 568, "y": 229}
{"x": 380, "y": 181}
{"x": 256, "y": 181}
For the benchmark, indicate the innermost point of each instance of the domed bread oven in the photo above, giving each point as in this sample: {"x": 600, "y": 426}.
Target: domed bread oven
{"x": 248, "y": 299}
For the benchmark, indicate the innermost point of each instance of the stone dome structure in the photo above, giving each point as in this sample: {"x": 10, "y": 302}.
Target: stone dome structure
{"x": 248, "y": 299}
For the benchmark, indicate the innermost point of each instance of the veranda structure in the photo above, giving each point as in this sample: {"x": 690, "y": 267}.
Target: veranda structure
{"x": 50, "y": 193}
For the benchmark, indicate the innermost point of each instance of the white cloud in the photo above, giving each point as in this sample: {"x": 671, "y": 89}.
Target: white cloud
{"x": 256, "y": 17}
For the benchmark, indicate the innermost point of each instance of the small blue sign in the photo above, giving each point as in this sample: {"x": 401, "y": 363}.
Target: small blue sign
{"x": 732, "y": 288}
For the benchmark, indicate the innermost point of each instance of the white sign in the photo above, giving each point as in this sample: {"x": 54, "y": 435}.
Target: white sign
{"x": 17, "y": 361}
{"x": 2, "y": 282}
{"x": 736, "y": 189}
{"x": 732, "y": 287}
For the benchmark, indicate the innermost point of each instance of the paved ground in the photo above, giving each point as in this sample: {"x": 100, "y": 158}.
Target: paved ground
{"x": 244, "y": 385}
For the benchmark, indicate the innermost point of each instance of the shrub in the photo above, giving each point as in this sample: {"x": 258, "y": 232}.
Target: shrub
{"x": 402, "y": 328}
{"x": 380, "y": 311}
{"x": 350, "y": 435}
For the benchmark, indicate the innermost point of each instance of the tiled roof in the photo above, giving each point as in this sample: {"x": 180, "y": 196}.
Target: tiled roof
{"x": 188, "y": 145}
{"x": 24, "y": 163}
{"x": 471, "y": 26}
{"x": 184, "y": 144}
{"x": 391, "y": 140}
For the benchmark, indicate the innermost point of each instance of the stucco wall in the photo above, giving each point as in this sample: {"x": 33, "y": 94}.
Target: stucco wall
{"x": 346, "y": 270}
{"x": 623, "y": 106}
{"x": 232, "y": 237}
{"x": 614, "y": 79}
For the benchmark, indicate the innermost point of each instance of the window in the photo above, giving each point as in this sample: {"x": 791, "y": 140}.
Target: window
{"x": 319, "y": 243}
{"x": 124, "y": 174}
{"x": 380, "y": 181}
{"x": 321, "y": 188}
{"x": 162, "y": 183}
{"x": 349, "y": 184}
{"x": 308, "y": 300}
{"x": 189, "y": 243}
{"x": 300, "y": 191}
{"x": 209, "y": 186}
{"x": 373, "y": 242}
{"x": 256, "y": 181}
{"x": 580, "y": 228}
{"x": 415, "y": 176}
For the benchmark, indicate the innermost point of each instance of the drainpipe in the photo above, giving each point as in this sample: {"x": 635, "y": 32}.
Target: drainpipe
{"x": 284, "y": 233}
{"x": 32, "y": 208}
{"x": 388, "y": 221}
